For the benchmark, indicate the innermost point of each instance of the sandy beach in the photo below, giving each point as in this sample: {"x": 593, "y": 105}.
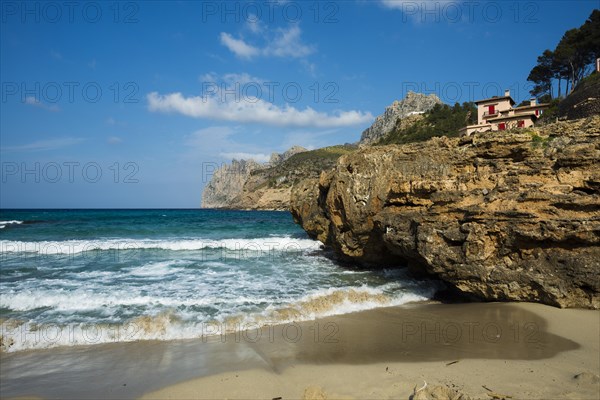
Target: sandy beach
{"x": 526, "y": 351}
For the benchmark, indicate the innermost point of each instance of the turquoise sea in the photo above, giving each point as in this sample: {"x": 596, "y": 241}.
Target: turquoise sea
{"x": 80, "y": 277}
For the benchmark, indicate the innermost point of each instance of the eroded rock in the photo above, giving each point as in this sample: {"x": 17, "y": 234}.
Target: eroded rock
{"x": 499, "y": 216}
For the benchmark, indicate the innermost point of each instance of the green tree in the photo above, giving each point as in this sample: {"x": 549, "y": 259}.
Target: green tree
{"x": 541, "y": 75}
{"x": 441, "y": 120}
{"x": 570, "y": 61}
{"x": 591, "y": 34}
{"x": 574, "y": 51}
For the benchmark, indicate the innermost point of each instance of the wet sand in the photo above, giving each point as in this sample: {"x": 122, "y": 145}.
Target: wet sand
{"x": 521, "y": 350}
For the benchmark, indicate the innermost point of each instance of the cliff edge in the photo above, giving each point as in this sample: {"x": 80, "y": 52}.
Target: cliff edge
{"x": 498, "y": 216}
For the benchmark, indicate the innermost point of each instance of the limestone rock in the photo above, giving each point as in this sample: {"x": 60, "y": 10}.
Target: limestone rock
{"x": 498, "y": 215}
{"x": 234, "y": 185}
{"x": 412, "y": 104}
{"x": 292, "y": 151}
{"x": 227, "y": 182}
{"x": 278, "y": 158}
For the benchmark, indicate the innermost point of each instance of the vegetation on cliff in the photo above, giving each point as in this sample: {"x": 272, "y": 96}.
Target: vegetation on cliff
{"x": 303, "y": 165}
{"x": 300, "y": 166}
{"x": 441, "y": 120}
{"x": 269, "y": 187}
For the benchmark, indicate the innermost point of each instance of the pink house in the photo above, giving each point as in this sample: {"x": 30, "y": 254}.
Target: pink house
{"x": 498, "y": 114}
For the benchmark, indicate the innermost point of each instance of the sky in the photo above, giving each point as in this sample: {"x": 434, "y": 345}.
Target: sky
{"x": 134, "y": 104}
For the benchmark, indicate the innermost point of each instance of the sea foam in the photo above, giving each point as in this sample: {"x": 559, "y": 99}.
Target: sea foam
{"x": 170, "y": 325}
{"x": 261, "y": 245}
{"x": 12, "y": 222}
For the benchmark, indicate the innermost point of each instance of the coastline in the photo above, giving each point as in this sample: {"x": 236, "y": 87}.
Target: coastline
{"x": 518, "y": 349}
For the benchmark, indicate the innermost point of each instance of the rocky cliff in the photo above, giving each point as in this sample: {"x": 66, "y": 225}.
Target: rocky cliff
{"x": 498, "y": 216}
{"x": 227, "y": 182}
{"x": 251, "y": 186}
{"x": 412, "y": 104}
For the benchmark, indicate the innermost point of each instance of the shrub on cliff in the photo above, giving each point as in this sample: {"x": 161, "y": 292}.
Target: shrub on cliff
{"x": 441, "y": 120}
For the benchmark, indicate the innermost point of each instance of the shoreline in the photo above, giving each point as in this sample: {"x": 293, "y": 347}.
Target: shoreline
{"x": 519, "y": 349}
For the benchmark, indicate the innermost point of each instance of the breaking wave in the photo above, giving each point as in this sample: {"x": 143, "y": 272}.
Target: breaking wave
{"x": 267, "y": 244}
{"x": 16, "y": 335}
{"x": 12, "y": 222}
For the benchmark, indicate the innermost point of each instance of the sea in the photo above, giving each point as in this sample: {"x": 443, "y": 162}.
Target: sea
{"x": 84, "y": 277}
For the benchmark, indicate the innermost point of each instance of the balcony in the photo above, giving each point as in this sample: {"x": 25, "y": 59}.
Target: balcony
{"x": 490, "y": 114}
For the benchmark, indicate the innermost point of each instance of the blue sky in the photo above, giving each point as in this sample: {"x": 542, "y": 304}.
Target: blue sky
{"x": 133, "y": 104}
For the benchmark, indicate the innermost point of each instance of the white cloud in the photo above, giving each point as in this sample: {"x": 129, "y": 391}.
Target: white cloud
{"x": 32, "y": 101}
{"x": 281, "y": 42}
{"x": 252, "y": 111}
{"x": 311, "y": 68}
{"x": 253, "y": 24}
{"x": 43, "y": 145}
{"x": 230, "y": 79}
{"x": 287, "y": 43}
{"x": 238, "y": 46}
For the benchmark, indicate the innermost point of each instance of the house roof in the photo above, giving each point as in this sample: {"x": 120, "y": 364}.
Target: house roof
{"x": 496, "y": 98}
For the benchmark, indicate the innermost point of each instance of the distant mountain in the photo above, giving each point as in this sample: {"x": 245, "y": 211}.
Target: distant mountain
{"x": 412, "y": 104}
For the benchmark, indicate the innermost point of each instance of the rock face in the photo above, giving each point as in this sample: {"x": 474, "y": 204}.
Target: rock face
{"x": 277, "y": 158}
{"x": 413, "y": 103}
{"x": 246, "y": 185}
{"x": 498, "y": 216}
{"x": 227, "y": 183}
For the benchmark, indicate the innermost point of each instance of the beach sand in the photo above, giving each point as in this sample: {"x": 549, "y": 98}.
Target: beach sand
{"x": 526, "y": 351}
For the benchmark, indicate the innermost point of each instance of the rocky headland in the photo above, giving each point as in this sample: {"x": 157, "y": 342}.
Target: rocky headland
{"x": 497, "y": 216}
{"x": 227, "y": 182}
{"x": 248, "y": 185}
